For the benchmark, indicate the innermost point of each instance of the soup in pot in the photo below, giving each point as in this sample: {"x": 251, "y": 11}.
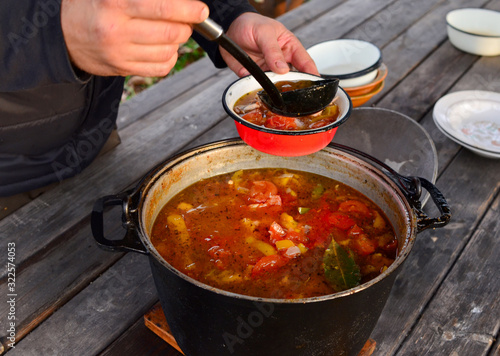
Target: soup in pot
{"x": 275, "y": 233}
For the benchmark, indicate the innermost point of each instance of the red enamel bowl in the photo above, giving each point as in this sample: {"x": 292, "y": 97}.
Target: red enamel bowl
{"x": 283, "y": 142}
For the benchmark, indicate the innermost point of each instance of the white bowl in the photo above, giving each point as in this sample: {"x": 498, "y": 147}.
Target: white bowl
{"x": 475, "y": 31}
{"x": 354, "y": 62}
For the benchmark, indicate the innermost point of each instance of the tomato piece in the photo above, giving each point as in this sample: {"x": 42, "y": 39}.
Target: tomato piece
{"x": 262, "y": 190}
{"x": 354, "y": 206}
{"x": 276, "y": 232}
{"x": 282, "y": 123}
{"x": 360, "y": 241}
{"x": 264, "y": 194}
{"x": 268, "y": 264}
{"x": 255, "y": 117}
{"x": 297, "y": 237}
{"x": 363, "y": 245}
{"x": 320, "y": 123}
{"x": 391, "y": 248}
{"x": 341, "y": 221}
{"x": 355, "y": 231}
{"x": 219, "y": 256}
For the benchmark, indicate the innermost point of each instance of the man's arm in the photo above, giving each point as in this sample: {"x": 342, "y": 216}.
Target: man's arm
{"x": 32, "y": 50}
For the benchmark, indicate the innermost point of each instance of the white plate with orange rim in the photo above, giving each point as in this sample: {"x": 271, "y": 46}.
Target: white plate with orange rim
{"x": 471, "y": 118}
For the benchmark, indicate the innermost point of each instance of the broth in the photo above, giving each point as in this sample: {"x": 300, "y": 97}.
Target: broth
{"x": 275, "y": 233}
{"x": 250, "y": 108}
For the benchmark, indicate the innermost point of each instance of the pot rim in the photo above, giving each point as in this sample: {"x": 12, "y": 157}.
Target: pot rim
{"x": 150, "y": 179}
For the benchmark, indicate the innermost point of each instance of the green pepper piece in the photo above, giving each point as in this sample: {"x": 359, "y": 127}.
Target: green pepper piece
{"x": 317, "y": 191}
{"x": 303, "y": 210}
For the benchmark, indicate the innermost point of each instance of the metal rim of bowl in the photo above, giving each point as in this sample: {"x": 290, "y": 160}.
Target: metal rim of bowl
{"x": 467, "y": 32}
{"x": 359, "y": 73}
{"x": 328, "y": 127}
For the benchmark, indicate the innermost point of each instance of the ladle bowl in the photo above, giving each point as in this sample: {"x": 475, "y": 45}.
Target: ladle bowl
{"x": 283, "y": 142}
{"x": 305, "y": 101}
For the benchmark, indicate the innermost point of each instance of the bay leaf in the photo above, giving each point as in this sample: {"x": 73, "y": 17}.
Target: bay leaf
{"x": 341, "y": 271}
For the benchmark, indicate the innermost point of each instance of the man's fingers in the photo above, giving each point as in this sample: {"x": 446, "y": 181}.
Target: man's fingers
{"x": 148, "y": 69}
{"x": 273, "y": 53}
{"x": 151, "y": 54}
{"x": 185, "y": 11}
{"x": 147, "y": 32}
{"x": 303, "y": 62}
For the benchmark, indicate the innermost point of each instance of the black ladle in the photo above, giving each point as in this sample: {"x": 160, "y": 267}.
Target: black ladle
{"x": 298, "y": 102}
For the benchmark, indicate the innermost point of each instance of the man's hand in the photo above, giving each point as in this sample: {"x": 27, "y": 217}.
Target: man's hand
{"x": 269, "y": 43}
{"x": 125, "y": 37}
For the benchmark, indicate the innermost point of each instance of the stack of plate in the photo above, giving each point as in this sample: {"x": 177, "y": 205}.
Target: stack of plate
{"x": 471, "y": 118}
{"x": 358, "y": 65}
{"x": 362, "y": 93}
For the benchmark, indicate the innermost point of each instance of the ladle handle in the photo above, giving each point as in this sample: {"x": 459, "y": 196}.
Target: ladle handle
{"x": 209, "y": 29}
{"x": 213, "y": 32}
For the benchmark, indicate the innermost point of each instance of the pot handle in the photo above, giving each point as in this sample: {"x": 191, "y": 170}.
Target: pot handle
{"x": 423, "y": 220}
{"x": 412, "y": 189}
{"x": 131, "y": 241}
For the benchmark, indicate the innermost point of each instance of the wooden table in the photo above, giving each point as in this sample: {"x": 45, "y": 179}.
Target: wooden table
{"x": 72, "y": 298}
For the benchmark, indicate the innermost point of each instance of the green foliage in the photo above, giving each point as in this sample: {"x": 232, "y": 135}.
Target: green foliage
{"x": 189, "y": 53}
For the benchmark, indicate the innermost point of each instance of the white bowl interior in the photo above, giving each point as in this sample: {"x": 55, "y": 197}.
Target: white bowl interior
{"x": 247, "y": 84}
{"x": 344, "y": 56}
{"x": 359, "y": 81}
{"x": 480, "y": 22}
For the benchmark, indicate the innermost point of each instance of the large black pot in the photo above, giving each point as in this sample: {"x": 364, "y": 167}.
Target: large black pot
{"x": 207, "y": 321}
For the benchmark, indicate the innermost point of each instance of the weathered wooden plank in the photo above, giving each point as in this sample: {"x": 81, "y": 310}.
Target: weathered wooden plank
{"x": 308, "y": 12}
{"x": 139, "y": 340}
{"x": 191, "y": 79}
{"x": 345, "y": 17}
{"x": 495, "y": 350}
{"x": 224, "y": 130}
{"x": 54, "y": 277}
{"x": 392, "y": 21}
{"x": 98, "y": 315}
{"x": 437, "y": 74}
{"x": 418, "y": 91}
{"x": 464, "y": 316}
{"x": 436, "y": 251}
{"x": 404, "y": 53}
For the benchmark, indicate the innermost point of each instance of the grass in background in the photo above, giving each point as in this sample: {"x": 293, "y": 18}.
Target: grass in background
{"x": 188, "y": 53}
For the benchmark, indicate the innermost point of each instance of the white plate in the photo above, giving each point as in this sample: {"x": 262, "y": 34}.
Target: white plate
{"x": 471, "y": 118}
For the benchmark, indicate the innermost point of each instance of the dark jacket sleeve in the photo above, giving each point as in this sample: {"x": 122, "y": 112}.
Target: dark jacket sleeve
{"x": 32, "y": 49}
{"x": 224, "y": 12}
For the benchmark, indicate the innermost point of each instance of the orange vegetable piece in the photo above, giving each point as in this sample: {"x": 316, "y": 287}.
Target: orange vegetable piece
{"x": 268, "y": 264}
{"x": 354, "y": 206}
